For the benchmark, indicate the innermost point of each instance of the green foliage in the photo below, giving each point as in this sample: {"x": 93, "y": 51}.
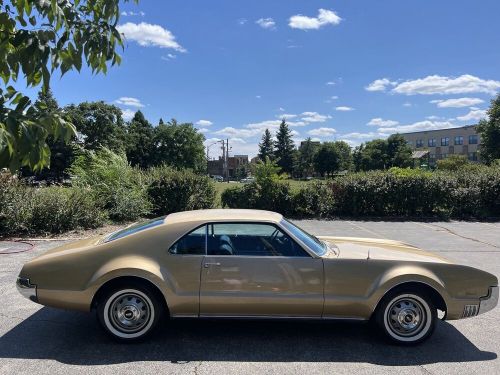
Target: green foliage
{"x": 119, "y": 188}
{"x": 307, "y": 152}
{"x": 314, "y": 200}
{"x": 266, "y": 146}
{"x": 179, "y": 146}
{"x": 284, "y": 150}
{"x": 139, "y": 142}
{"x": 39, "y": 38}
{"x": 383, "y": 154}
{"x": 173, "y": 190}
{"x": 333, "y": 157}
{"x": 489, "y": 131}
{"x": 99, "y": 124}
{"x": 29, "y": 211}
{"x": 266, "y": 171}
{"x": 452, "y": 163}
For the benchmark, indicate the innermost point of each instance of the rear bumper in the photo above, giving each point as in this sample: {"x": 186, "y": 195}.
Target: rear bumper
{"x": 26, "y": 289}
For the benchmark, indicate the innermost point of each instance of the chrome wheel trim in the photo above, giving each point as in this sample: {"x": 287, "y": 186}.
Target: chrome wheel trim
{"x": 129, "y": 313}
{"x": 407, "y": 317}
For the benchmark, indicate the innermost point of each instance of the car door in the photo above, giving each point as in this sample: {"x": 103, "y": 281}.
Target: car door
{"x": 256, "y": 269}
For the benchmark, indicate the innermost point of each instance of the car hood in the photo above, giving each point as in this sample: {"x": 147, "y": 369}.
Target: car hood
{"x": 381, "y": 249}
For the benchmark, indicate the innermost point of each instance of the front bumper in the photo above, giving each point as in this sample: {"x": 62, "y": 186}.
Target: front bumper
{"x": 26, "y": 289}
{"x": 490, "y": 301}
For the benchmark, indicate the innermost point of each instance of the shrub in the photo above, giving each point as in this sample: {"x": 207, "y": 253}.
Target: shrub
{"x": 173, "y": 190}
{"x": 28, "y": 210}
{"x": 119, "y": 188}
{"x": 272, "y": 196}
{"x": 314, "y": 200}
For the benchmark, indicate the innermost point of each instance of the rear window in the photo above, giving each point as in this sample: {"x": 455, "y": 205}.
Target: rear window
{"x": 135, "y": 228}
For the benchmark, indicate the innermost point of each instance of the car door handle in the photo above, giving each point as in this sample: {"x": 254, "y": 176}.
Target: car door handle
{"x": 206, "y": 265}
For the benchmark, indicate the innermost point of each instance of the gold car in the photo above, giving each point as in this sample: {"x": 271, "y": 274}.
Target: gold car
{"x": 253, "y": 264}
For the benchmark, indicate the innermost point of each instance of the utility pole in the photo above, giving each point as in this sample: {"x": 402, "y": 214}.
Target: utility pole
{"x": 227, "y": 159}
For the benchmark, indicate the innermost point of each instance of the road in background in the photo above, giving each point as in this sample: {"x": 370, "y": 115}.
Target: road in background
{"x": 36, "y": 339}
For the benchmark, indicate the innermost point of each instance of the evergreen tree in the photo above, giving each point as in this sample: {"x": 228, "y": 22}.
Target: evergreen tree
{"x": 139, "y": 145}
{"x": 266, "y": 146}
{"x": 307, "y": 152}
{"x": 284, "y": 148}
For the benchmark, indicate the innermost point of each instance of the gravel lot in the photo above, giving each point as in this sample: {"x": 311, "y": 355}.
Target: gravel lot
{"x": 36, "y": 339}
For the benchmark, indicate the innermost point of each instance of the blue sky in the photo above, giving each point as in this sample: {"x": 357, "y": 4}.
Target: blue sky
{"x": 351, "y": 70}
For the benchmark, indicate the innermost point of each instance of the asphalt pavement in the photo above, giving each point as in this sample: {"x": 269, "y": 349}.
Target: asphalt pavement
{"x": 40, "y": 340}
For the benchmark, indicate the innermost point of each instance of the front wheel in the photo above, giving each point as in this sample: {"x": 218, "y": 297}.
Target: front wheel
{"x": 129, "y": 313}
{"x": 406, "y": 317}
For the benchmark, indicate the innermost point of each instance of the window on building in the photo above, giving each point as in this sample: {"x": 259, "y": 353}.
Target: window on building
{"x": 473, "y": 139}
{"x": 444, "y": 156}
{"x": 431, "y": 142}
{"x": 473, "y": 156}
{"x": 419, "y": 143}
{"x": 432, "y": 157}
{"x": 409, "y": 143}
{"x": 445, "y": 141}
{"x": 459, "y": 140}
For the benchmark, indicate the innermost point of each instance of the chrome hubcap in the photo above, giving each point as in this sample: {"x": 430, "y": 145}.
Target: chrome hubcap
{"x": 406, "y": 316}
{"x": 129, "y": 312}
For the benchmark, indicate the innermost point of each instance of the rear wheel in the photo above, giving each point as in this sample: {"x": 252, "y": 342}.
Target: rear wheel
{"x": 129, "y": 313}
{"x": 406, "y": 317}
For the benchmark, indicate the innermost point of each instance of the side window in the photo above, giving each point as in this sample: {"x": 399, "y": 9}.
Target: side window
{"x": 192, "y": 243}
{"x": 251, "y": 239}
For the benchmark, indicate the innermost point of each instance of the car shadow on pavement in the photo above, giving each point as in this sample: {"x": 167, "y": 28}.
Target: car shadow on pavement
{"x": 75, "y": 338}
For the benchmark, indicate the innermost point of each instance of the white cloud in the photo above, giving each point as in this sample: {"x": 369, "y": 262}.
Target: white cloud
{"x": 325, "y": 17}
{"x": 129, "y": 102}
{"x": 344, "y": 109}
{"x": 266, "y": 23}
{"x": 128, "y": 114}
{"x": 314, "y": 117}
{"x": 407, "y": 104}
{"x": 381, "y": 122}
{"x": 202, "y": 130}
{"x": 359, "y": 136}
{"x": 457, "y": 103}
{"x": 433, "y": 117}
{"x": 242, "y": 21}
{"x": 204, "y": 123}
{"x": 170, "y": 56}
{"x": 418, "y": 126}
{"x": 473, "y": 115}
{"x": 442, "y": 85}
{"x": 229, "y": 131}
{"x": 286, "y": 116}
{"x": 146, "y": 35}
{"x": 258, "y": 96}
{"x": 281, "y": 109}
{"x": 380, "y": 85}
{"x": 331, "y": 83}
{"x": 322, "y": 132}
{"x": 125, "y": 14}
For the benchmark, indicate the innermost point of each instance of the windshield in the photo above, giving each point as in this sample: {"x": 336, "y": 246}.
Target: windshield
{"x": 309, "y": 240}
{"x": 135, "y": 228}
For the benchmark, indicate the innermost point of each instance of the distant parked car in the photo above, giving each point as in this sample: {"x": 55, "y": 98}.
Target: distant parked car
{"x": 218, "y": 178}
{"x": 247, "y": 180}
{"x": 253, "y": 264}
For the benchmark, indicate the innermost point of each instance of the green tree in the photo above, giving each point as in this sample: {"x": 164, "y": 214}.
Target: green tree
{"x": 61, "y": 153}
{"x": 398, "y": 152}
{"x": 99, "y": 125}
{"x": 307, "y": 152}
{"x": 489, "y": 131}
{"x": 344, "y": 154}
{"x": 284, "y": 148}
{"x": 266, "y": 172}
{"x": 139, "y": 142}
{"x": 266, "y": 146}
{"x": 39, "y": 38}
{"x": 327, "y": 159}
{"x": 371, "y": 155}
{"x": 179, "y": 146}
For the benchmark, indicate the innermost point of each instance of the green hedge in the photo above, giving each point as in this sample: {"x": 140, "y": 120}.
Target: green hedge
{"x": 30, "y": 211}
{"x": 469, "y": 193}
{"x": 171, "y": 190}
